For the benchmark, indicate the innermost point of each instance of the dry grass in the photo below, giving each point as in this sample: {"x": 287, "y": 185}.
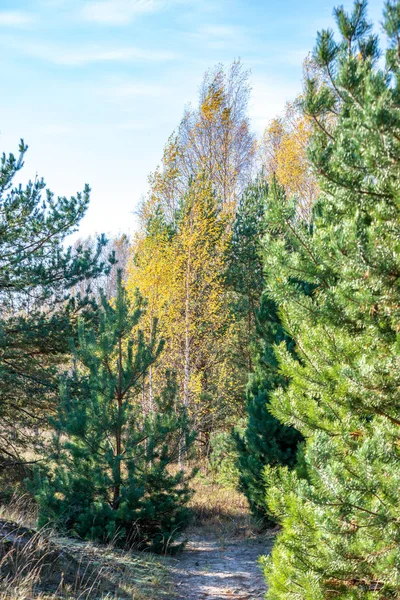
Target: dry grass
{"x": 20, "y": 509}
{"x": 39, "y": 565}
{"x": 220, "y": 510}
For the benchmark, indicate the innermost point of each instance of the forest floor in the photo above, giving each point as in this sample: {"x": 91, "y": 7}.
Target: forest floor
{"x": 212, "y": 569}
{"x": 219, "y": 561}
{"x": 40, "y": 565}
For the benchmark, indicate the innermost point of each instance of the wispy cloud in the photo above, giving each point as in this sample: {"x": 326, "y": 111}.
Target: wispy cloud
{"x": 285, "y": 58}
{"x": 139, "y": 125}
{"x": 79, "y": 128}
{"x": 15, "y": 19}
{"x": 139, "y": 89}
{"x": 269, "y": 97}
{"x": 87, "y": 55}
{"x": 218, "y": 36}
{"x": 56, "y": 129}
{"x": 94, "y": 55}
{"x": 118, "y": 12}
{"x": 219, "y": 31}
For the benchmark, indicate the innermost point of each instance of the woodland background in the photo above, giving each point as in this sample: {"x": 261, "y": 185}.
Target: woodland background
{"x": 250, "y": 326}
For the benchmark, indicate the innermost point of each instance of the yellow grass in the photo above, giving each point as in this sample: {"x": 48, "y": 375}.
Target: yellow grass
{"x": 222, "y": 510}
{"x": 55, "y": 568}
{"x": 41, "y": 566}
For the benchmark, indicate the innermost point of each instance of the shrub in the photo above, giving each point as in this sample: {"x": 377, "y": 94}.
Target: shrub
{"x": 109, "y": 479}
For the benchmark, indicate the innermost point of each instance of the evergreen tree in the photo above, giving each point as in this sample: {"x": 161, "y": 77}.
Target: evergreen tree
{"x": 110, "y": 478}
{"x": 265, "y": 440}
{"x": 341, "y": 524}
{"x": 244, "y": 269}
{"x": 37, "y": 272}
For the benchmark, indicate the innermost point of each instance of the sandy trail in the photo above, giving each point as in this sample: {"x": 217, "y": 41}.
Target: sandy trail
{"x": 212, "y": 569}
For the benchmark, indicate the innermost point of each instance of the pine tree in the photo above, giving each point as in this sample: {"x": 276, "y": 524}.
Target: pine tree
{"x": 265, "y": 440}
{"x": 341, "y": 532}
{"x": 244, "y": 277}
{"x": 38, "y": 313}
{"x": 110, "y": 479}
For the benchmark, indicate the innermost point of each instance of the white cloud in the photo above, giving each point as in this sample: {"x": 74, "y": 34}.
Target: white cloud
{"x": 118, "y": 12}
{"x": 140, "y": 89}
{"x": 217, "y": 37}
{"x": 15, "y": 19}
{"x": 219, "y": 31}
{"x": 89, "y": 129}
{"x": 56, "y": 129}
{"x": 268, "y": 99}
{"x": 138, "y": 125}
{"x": 86, "y": 55}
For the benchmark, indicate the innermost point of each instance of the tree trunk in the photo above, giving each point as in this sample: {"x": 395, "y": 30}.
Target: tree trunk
{"x": 186, "y": 379}
{"x": 118, "y": 433}
{"x": 187, "y": 338}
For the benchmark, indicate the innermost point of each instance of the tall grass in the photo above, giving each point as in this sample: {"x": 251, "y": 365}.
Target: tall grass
{"x": 221, "y": 510}
{"x": 39, "y": 565}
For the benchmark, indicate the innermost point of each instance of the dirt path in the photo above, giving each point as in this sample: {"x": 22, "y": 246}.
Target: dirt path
{"x": 212, "y": 569}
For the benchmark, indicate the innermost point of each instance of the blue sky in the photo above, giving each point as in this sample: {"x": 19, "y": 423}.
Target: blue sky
{"x": 95, "y": 87}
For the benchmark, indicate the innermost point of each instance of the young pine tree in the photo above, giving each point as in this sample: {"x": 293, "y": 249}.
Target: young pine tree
{"x": 110, "y": 478}
{"x": 265, "y": 440}
{"x": 341, "y": 524}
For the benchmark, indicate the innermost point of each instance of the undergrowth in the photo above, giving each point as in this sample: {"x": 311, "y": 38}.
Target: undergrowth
{"x": 220, "y": 509}
{"x": 38, "y": 565}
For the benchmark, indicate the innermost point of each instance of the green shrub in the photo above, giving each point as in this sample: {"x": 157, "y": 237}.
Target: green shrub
{"x": 109, "y": 478}
{"x": 223, "y": 459}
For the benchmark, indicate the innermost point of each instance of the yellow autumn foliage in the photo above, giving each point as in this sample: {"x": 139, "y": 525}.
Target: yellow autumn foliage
{"x": 179, "y": 270}
{"x": 284, "y": 153}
